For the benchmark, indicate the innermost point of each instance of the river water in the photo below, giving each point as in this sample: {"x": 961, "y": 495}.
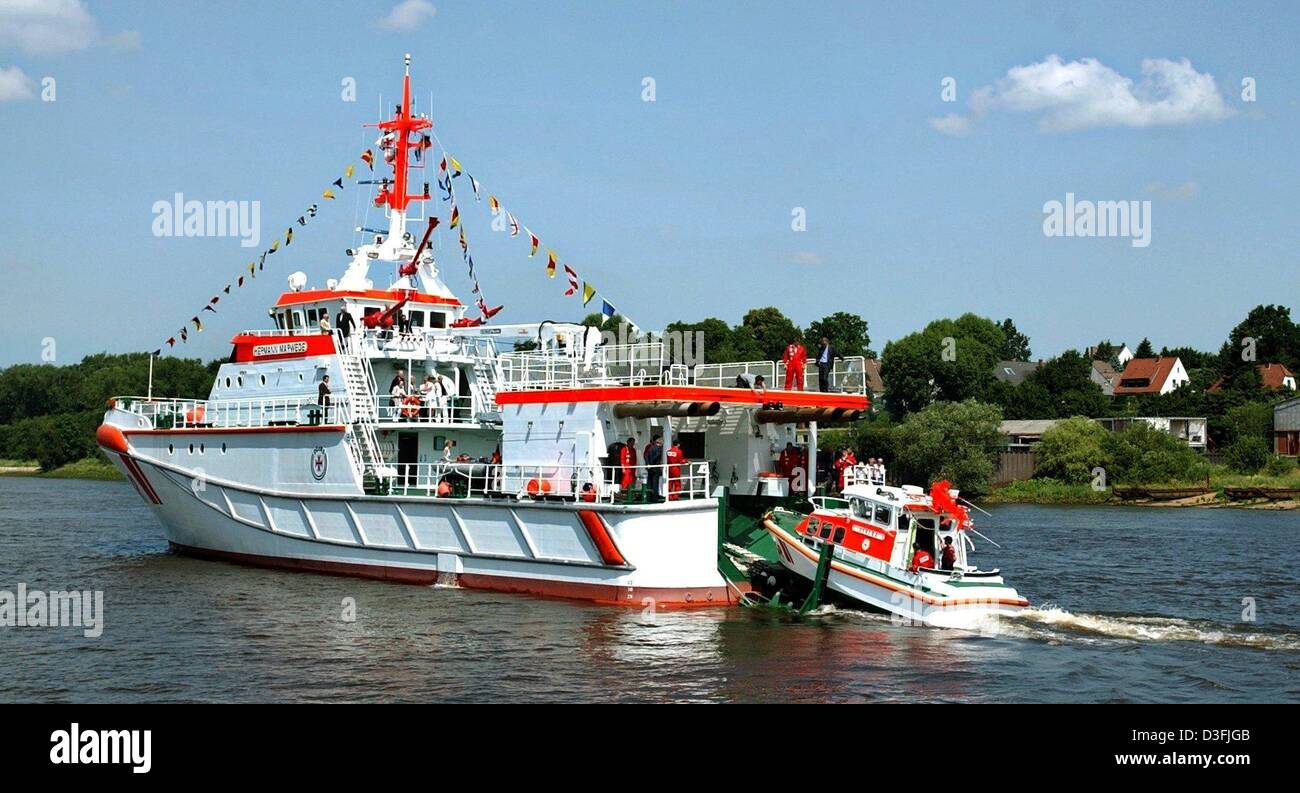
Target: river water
{"x": 1130, "y": 604}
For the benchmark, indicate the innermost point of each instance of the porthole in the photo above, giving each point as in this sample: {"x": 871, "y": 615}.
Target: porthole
{"x": 300, "y": 377}
{"x": 191, "y": 448}
{"x": 223, "y": 448}
{"x": 239, "y": 381}
{"x": 261, "y": 379}
{"x": 201, "y": 449}
{"x": 227, "y": 382}
{"x": 171, "y": 448}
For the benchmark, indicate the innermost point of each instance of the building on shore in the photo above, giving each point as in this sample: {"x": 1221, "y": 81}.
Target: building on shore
{"x": 1286, "y": 428}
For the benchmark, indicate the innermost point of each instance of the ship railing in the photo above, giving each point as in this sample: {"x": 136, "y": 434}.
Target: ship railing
{"x": 235, "y": 413}
{"x": 726, "y": 375}
{"x": 423, "y": 342}
{"x": 848, "y": 375}
{"x": 262, "y": 332}
{"x": 864, "y": 474}
{"x": 689, "y": 481}
{"x": 437, "y": 410}
{"x": 643, "y": 363}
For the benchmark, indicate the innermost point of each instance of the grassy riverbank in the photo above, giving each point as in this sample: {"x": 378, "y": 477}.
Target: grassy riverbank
{"x": 87, "y": 468}
{"x": 1050, "y": 491}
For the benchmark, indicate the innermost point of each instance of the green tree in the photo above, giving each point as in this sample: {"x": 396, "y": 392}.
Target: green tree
{"x": 771, "y": 331}
{"x": 1071, "y": 450}
{"x": 950, "y": 359}
{"x": 1141, "y": 454}
{"x": 1269, "y": 333}
{"x": 846, "y": 332}
{"x": 1015, "y": 346}
{"x": 1247, "y": 454}
{"x": 1144, "y": 349}
{"x": 1067, "y": 379}
{"x": 716, "y": 345}
{"x": 957, "y": 441}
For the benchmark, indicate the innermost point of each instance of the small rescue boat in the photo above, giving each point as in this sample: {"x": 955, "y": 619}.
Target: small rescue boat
{"x": 897, "y": 550}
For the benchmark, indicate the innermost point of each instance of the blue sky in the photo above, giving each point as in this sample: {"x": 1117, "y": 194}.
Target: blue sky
{"x": 678, "y": 208}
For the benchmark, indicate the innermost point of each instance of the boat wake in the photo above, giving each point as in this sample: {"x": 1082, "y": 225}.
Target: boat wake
{"x": 1055, "y": 624}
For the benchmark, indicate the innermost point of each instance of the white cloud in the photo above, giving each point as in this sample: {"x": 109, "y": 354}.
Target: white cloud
{"x": 45, "y": 27}
{"x": 952, "y": 124}
{"x": 126, "y": 41}
{"x": 1086, "y": 93}
{"x": 408, "y": 15}
{"x": 15, "y": 85}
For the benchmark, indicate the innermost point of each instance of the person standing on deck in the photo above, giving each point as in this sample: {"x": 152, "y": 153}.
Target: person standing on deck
{"x": 627, "y": 460}
{"x": 921, "y": 558}
{"x": 676, "y": 459}
{"x": 795, "y": 358}
{"x": 323, "y": 398}
{"x": 787, "y": 462}
{"x": 825, "y": 362}
{"x": 345, "y": 325}
{"x": 654, "y": 458}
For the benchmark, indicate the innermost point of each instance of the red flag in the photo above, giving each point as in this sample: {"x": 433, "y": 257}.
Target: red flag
{"x": 573, "y": 281}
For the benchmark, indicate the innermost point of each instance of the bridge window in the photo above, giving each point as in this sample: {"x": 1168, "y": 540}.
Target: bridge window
{"x": 826, "y": 530}
{"x": 882, "y": 515}
{"x": 417, "y": 319}
{"x": 437, "y": 319}
{"x": 839, "y": 535}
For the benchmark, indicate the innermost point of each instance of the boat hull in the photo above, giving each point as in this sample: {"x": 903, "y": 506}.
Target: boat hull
{"x": 914, "y": 598}
{"x": 646, "y": 556}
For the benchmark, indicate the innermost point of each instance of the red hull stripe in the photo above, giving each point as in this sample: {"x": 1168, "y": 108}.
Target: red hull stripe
{"x": 679, "y": 393}
{"x": 317, "y": 295}
{"x": 595, "y": 525}
{"x": 142, "y": 483}
{"x": 786, "y": 539}
{"x": 637, "y": 597}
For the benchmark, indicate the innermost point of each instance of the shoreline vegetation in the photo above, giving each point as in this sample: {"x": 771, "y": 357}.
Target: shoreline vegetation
{"x": 1053, "y": 492}
{"x": 88, "y": 468}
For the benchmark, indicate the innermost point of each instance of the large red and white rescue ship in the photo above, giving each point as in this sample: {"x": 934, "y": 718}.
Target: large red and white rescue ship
{"x": 498, "y": 476}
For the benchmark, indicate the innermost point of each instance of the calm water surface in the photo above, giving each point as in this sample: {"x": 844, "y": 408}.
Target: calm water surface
{"x": 1131, "y": 604}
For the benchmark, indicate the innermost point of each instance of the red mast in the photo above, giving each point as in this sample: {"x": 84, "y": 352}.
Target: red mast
{"x": 400, "y": 127}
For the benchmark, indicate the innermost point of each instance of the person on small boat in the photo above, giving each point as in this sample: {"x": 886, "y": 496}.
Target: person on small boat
{"x": 921, "y": 558}
{"x": 947, "y": 555}
{"x": 795, "y": 358}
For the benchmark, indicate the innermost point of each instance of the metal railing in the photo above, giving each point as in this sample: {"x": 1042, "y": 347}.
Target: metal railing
{"x": 437, "y": 410}
{"x": 864, "y": 474}
{"x": 644, "y": 363}
{"x": 235, "y": 413}
{"x": 847, "y": 375}
{"x": 585, "y": 484}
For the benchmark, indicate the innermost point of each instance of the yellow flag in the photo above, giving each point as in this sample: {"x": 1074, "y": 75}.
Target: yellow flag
{"x": 588, "y": 292}
{"x": 347, "y": 172}
{"x": 328, "y": 194}
{"x": 552, "y": 258}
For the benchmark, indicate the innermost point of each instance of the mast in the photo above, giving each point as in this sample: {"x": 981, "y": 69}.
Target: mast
{"x": 398, "y": 131}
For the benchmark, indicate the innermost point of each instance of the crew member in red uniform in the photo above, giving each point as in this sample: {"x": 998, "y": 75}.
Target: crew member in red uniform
{"x": 675, "y": 460}
{"x": 787, "y": 462}
{"x": 795, "y": 357}
{"x": 948, "y": 554}
{"x": 627, "y": 459}
{"x": 921, "y": 559}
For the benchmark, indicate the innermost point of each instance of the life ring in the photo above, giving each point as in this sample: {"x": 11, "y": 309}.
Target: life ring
{"x": 412, "y": 407}
{"x": 538, "y": 487}
{"x": 195, "y": 415}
